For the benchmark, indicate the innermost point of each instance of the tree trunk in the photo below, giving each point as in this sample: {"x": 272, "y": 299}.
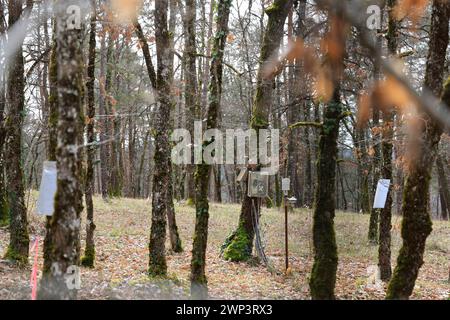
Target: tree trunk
{"x": 199, "y": 288}
{"x": 387, "y": 135}
{"x": 104, "y": 124}
{"x": 416, "y": 223}
{"x": 174, "y": 236}
{"x": 191, "y": 103}
{"x": 443, "y": 188}
{"x": 161, "y": 174}
{"x": 363, "y": 170}
{"x": 114, "y": 133}
{"x": 376, "y": 159}
{"x": 19, "y": 238}
{"x": 308, "y": 189}
{"x": 4, "y": 212}
{"x": 238, "y": 246}
{"x": 52, "y": 137}
{"x": 65, "y": 224}
{"x": 89, "y": 252}
{"x": 323, "y": 274}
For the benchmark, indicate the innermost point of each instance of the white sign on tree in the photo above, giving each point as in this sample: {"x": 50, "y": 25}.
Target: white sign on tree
{"x": 47, "y": 190}
{"x": 381, "y": 194}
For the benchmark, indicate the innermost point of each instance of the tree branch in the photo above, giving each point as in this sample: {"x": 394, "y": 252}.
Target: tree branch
{"x": 305, "y": 124}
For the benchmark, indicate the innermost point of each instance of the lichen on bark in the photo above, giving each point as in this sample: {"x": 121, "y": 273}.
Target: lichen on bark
{"x": 63, "y": 243}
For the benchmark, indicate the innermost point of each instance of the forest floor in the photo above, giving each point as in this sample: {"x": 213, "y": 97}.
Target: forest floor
{"x": 122, "y": 255}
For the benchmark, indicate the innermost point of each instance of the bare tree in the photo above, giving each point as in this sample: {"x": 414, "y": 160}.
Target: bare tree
{"x": 203, "y": 171}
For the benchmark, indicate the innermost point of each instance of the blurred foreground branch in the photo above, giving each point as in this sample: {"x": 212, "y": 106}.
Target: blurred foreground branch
{"x": 352, "y": 11}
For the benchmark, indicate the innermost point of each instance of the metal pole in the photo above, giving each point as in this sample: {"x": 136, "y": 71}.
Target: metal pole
{"x": 286, "y": 232}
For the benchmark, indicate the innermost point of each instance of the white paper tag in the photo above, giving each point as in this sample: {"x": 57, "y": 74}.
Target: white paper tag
{"x": 381, "y": 194}
{"x": 47, "y": 190}
{"x": 285, "y": 185}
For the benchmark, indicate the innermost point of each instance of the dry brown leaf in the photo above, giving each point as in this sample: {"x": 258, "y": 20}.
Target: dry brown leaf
{"x": 125, "y": 11}
{"x": 364, "y": 107}
{"x": 412, "y": 9}
{"x": 324, "y": 86}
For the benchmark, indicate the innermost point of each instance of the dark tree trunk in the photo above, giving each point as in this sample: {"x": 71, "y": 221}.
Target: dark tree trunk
{"x": 387, "y": 135}
{"x": 174, "y": 236}
{"x": 19, "y": 238}
{"x": 4, "y": 213}
{"x": 363, "y": 171}
{"x": 89, "y": 253}
{"x": 218, "y": 183}
{"x": 113, "y": 127}
{"x": 65, "y": 223}
{"x": 104, "y": 123}
{"x": 140, "y": 187}
{"x": 309, "y": 188}
{"x": 238, "y": 246}
{"x": 376, "y": 159}
{"x": 199, "y": 289}
{"x": 52, "y": 137}
{"x": 323, "y": 274}
{"x": 145, "y": 183}
{"x": 416, "y": 223}
{"x": 443, "y": 188}
{"x": 193, "y": 111}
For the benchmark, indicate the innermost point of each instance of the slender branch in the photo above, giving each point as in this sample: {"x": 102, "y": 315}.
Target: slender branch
{"x": 38, "y": 60}
{"x": 239, "y": 73}
{"x": 146, "y": 51}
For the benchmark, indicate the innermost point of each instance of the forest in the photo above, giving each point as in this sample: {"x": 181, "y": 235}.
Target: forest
{"x": 224, "y": 149}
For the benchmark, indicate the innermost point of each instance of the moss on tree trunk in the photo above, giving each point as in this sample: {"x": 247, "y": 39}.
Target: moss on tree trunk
{"x": 239, "y": 245}
{"x": 323, "y": 274}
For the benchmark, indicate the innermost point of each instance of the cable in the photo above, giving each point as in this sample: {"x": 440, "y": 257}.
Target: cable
{"x": 258, "y": 242}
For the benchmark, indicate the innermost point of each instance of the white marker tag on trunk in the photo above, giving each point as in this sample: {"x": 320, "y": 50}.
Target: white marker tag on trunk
{"x": 47, "y": 190}
{"x": 381, "y": 194}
